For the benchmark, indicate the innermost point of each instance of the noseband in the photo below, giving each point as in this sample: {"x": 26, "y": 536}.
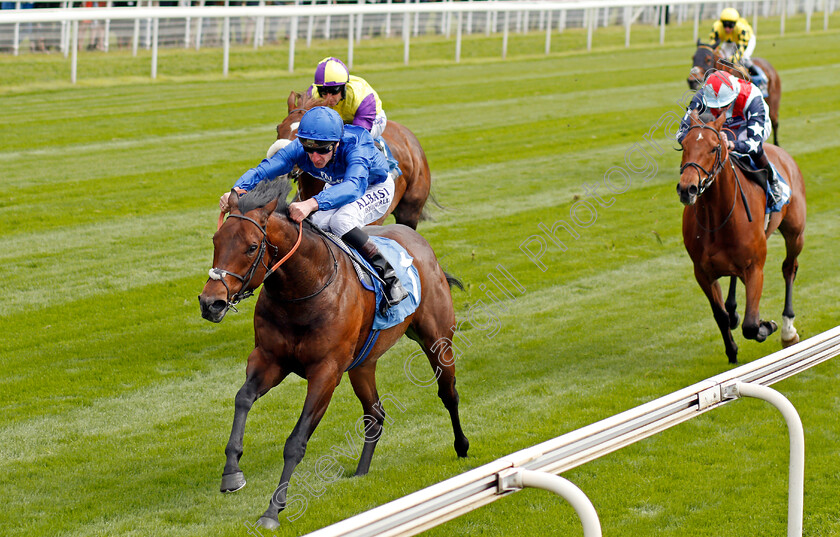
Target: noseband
{"x": 244, "y": 292}
{"x": 706, "y": 182}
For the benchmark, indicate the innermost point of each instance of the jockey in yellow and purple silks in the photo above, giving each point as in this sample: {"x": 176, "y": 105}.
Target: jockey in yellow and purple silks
{"x": 734, "y": 35}
{"x": 352, "y": 97}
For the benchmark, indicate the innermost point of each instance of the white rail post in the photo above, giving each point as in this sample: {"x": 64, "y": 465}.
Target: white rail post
{"x": 514, "y": 479}
{"x": 662, "y": 10}
{"x": 350, "y": 41}
{"x": 458, "y": 37}
{"x": 783, "y": 9}
{"x": 293, "y": 30}
{"x": 548, "y": 31}
{"x": 505, "y": 35}
{"x": 155, "y": 30}
{"x": 406, "y": 29}
{"x": 796, "y": 478}
{"x": 16, "y": 37}
{"x": 628, "y": 13}
{"x": 226, "y": 46}
{"x": 106, "y": 42}
{"x": 74, "y": 53}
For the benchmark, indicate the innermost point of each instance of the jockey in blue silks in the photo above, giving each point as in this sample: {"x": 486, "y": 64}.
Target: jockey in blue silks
{"x": 359, "y": 186}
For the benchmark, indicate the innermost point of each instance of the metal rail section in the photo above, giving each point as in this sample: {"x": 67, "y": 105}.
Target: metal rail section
{"x": 449, "y": 499}
{"x": 357, "y": 11}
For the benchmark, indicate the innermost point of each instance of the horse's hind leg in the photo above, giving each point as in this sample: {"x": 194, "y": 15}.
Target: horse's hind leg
{"x": 732, "y": 304}
{"x": 439, "y": 350}
{"x": 261, "y": 376}
{"x": 793, "y": 245}
{"x": 363, "y": 380}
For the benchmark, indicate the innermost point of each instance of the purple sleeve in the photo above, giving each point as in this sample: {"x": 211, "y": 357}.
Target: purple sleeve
{"x": 366, "y": 113}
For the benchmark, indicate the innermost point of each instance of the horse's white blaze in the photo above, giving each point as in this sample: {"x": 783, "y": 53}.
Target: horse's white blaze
{"x": 277, "y": 146}
{"x": 699, "y": 136}
{"x": 294, "y": 126}
{"x": 788, "y": 330}
{"x": 214, "y": 275}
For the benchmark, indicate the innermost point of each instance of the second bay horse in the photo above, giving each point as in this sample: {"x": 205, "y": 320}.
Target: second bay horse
{"x": 723, "y": 230}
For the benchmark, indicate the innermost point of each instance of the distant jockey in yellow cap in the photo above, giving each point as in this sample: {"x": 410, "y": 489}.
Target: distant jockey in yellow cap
{"x": 736, "y": 39}
{"x": 352, "y": 97}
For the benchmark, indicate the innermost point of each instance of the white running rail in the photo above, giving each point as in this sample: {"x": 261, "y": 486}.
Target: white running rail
{"x": 539, "y": 465}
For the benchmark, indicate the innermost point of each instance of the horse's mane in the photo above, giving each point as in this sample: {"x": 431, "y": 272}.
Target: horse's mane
{"x": 265, "y": 192}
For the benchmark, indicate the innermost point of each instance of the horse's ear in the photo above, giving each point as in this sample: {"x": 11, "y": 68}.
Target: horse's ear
{"x": 291, "y": 102}
{"x": 719, "y": 121}
{"x": 699, "y": 42}
{"x": 233, "y": 200}
{"x": 694, "y": 117}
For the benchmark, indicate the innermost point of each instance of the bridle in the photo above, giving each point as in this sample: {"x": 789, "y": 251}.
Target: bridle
{"x": 219, "y": 274}
{"x": 706, "y": 182}
{"x": 216, "y": 273}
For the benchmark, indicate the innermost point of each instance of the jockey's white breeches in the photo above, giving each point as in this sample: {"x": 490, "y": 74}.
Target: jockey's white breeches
{"x": 369, "y": 208}
{"x": 379, "y": 124}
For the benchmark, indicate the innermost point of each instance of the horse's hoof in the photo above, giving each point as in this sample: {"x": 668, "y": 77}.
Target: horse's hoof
{"x": 268, "y": 523}
{"x": 232, "y": 482}
{"x": 789, "y": 342}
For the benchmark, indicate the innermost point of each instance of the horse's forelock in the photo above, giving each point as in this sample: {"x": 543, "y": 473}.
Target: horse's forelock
{"x": 264, "y": 193}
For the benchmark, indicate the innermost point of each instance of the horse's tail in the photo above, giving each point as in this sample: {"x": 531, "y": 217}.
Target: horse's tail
{"x": 424, "y": 214}
{"x": 453, "y": 281}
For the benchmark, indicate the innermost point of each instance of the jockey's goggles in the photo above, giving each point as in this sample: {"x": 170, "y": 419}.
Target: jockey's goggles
{"x": 315, "y": 146}
{"x": 729, "y": 24}
{"x": 329, "y": 90}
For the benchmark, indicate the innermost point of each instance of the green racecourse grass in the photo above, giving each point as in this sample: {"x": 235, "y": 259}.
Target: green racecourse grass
{"x": 117, "y": 397}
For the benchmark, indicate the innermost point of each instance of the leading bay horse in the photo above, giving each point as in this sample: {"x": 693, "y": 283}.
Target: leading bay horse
{"x": 707, "y": 58}
{"x": 723, "y": 230}
{"x": 411, "y": 189}
{"x": 312, "y": 318}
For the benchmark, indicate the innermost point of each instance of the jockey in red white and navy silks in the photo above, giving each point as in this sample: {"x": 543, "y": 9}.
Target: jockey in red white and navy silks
{"x": 747, "y": 117}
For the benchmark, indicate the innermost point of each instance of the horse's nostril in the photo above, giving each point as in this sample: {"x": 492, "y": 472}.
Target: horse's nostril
{"x": 218, "y": 305}
{"x": 692, "y": 190}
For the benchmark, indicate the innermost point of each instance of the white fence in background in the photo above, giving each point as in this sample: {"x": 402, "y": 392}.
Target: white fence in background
{"x": 539, "y": 465}
{"x": 70, "y": 29}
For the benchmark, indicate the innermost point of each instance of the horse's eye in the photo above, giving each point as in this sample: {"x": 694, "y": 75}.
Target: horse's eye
{"x": 252, "y": 249}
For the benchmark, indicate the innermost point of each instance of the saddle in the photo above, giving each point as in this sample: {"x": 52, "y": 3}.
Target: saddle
{"x": 745, "y": 163}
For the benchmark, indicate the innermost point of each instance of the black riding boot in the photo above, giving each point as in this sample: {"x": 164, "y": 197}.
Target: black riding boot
{"x": 773, "y": 186}
{"x": 394, "y": 291}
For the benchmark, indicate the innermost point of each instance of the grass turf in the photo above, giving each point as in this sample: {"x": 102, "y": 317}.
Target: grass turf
{"x": 117, "y": 398}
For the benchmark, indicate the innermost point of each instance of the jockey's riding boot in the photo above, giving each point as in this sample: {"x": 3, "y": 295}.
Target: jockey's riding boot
{"x": 393, "y": 291}
{"x": 758, "y": 77}
{"x": 773, "y": 187}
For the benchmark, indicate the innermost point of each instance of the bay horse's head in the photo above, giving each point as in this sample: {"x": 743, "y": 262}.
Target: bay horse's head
{"x": 298, "y": 104}
{"x": 702, "y": 62}
{"x": 242, "y": 251}
{"x": 703, "y": 157}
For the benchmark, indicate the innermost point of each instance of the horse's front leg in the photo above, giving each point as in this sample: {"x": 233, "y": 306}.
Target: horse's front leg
{"x": 713, "y": 292}
{"x": 754, "y": 327}
{"x": 261, "y": 376}
{"x": 732, "y": 304}
{"x": 321, "y": 385}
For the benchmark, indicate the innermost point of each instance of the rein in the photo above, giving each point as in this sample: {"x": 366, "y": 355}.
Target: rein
{"x": 706, "y": 182}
